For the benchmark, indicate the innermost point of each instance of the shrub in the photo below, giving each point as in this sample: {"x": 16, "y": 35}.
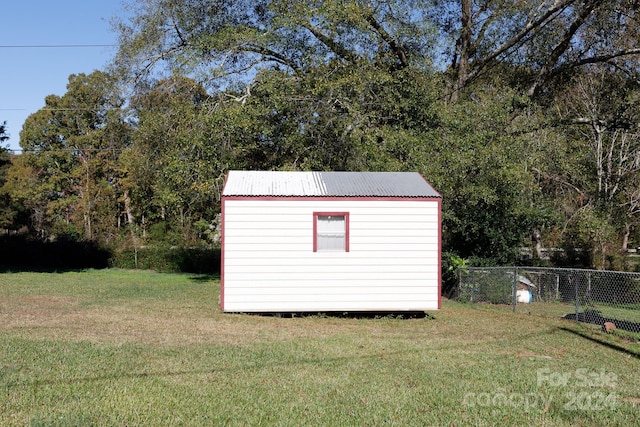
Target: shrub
{"x": 170, "y": 259}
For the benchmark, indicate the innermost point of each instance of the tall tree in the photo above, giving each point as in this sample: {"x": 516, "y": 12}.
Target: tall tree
{"x": 165, "y": 166}
{"x": 7, "y": 213}
{"x": 357, "y": 85}
{"x": 71, "y": 146}
{"x": 481, "y": 158}
{"x": 3, "y": 132}
{"x": 600, "y": 110}
{"x": 547, "y": 38}
{"x": 223, "y": 37}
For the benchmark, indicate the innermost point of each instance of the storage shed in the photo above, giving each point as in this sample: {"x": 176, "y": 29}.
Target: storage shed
{"x": 330, "y": 241}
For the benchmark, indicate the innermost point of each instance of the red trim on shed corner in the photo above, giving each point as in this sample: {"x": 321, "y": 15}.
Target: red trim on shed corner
{"x": 315, "y": 232}
{"x": 439, "y": 253}
{"x": 222, "y": 247}
{"x": 315, "y": 228}
{"x": 223, "y": 219}
{"x": 346, "y": 232}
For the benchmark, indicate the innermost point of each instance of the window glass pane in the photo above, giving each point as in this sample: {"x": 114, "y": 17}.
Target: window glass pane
{"x": 331, "y": 243}
{"x": 331, "y": 233}
{"x": 331, "y": 224}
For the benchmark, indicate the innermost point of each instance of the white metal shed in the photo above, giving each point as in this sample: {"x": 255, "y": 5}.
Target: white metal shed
{"x": 330, "y": 241}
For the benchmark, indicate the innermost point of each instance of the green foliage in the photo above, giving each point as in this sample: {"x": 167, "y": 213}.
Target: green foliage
{"x": 169, "y": 259}
{"x": 4, "y": 136}
{"x": 69, "y": 173}
{"x": 7, "y": 213}
{"x": 490, "y": 200}
{"x": 452, "y": 267}
{"x": 234, "y": 39}
{"x": 517, "y": 145}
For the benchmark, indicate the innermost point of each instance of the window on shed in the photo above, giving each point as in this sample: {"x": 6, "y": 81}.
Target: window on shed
{"x": 331, "y": 231}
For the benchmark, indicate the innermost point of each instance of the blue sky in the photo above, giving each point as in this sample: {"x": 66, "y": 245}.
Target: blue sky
{"x": 29, "y": 74}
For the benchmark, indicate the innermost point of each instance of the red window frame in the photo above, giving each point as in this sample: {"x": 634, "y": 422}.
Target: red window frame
{"x": 315, "y": 228}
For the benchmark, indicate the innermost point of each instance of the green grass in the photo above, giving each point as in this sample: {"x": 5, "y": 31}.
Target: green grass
{"x": 116, "y": 347}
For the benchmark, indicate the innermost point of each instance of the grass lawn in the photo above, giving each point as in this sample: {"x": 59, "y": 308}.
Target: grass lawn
{"x": 130, "y": 348}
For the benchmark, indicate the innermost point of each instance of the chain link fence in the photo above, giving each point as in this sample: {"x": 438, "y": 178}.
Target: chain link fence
{"x": 610, "y": 299}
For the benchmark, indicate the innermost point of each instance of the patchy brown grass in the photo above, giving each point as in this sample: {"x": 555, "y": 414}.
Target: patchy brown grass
{"x": 140, "y": 348}
{"x": 156, "y": 323}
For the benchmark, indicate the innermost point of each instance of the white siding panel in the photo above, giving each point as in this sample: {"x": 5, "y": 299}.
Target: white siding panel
{"x": 299, "y": 249}
{"x": 380, "y": 254}
{"x": 367, "y": 284}
{"x": 335, "y": 305}
{"x": 330, "y": 268}
{"x": 269, "y": 263}
{"x": 380, "y": 275}
{"x": 364, "y": 240}
{"x": 298, "y": 206}
{"x": 416, "y": 287}
{"x": 353, "y": 297}
{"x": 326, "y": 263}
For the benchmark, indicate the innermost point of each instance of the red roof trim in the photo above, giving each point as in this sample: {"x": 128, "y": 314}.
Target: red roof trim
{"x": 333, "y": 198}
{"x": 439, "y": 253}
{"x": 222, "y": 246}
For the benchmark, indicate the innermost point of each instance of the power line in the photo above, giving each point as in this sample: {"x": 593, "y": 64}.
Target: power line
{"x": 54, "y": 46}
{"x": 62, "y": 109}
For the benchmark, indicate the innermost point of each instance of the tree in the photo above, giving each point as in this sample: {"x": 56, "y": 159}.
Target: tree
{"x": 15, "y": 197}
{"x": 600, "y": 108}
{"x": 7, "y": 212}
{"x": 481, "y": 158}
{"x": 236, "y": 38}
{"x": 548, "y": 39}
{"x": 70, "y": 149}
{"x": 3, "y": 132}
{"x": 165, "y": 168}
{"x": 339, "y": 86}
{"x": 453, "y": 89}
{"x": 364, "y": 118}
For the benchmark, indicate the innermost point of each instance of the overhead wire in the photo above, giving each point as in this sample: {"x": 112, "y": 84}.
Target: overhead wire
{"x": 46, "y": 46}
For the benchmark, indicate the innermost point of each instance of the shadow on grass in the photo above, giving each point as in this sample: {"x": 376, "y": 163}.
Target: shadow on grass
{"x": 203, "y": 278}
{"x": 249, "y": 367}
{"x": 349, "y": 314}
{"x": 593, "y": 316}
{"x": 596, "y": 340}
{"x": 19, "y": 253}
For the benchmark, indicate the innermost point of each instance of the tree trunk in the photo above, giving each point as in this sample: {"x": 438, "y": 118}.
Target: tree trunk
{"x": 536, "y": 236}
{"x": 625, "y": 237}
{"x": 127, "y": 208}
{"x": 464, "y": 51}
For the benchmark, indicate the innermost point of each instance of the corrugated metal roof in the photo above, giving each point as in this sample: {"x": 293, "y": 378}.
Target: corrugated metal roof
{"x": 327, "y": 184}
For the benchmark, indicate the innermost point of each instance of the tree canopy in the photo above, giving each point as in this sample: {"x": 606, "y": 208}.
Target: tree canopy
{"x": 522, "y": 114}
{"x": 545, "y": 40}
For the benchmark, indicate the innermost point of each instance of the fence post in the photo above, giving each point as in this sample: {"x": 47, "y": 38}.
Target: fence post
{"x": 514, "y": 290}
{"x": 473, "y": 284}
{"x": 577, "y": 295}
